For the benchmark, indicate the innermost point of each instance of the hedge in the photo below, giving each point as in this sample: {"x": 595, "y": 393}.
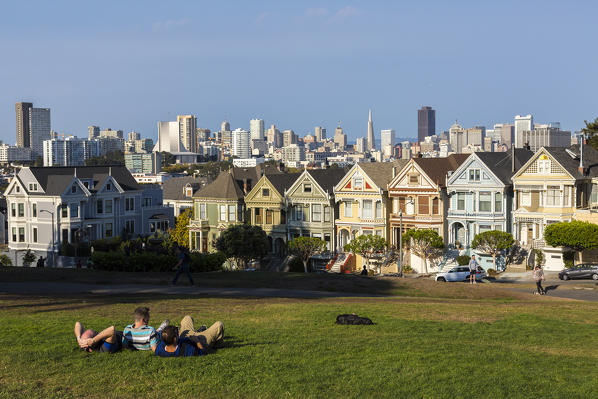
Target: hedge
{"x": 150, "y": 262}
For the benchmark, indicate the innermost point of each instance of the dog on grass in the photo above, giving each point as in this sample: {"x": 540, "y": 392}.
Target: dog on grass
{"x": 352, "y": 319}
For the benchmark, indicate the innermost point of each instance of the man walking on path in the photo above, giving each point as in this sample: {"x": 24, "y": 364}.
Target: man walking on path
{"x": 182, "y": 265}
{"x": 473, "y": 268}
{"x": 538, "y": 277}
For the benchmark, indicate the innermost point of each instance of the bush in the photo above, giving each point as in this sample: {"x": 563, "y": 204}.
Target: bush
{"x": 106, "y": 244}
{"x": 463, "y": 260}
{"x": 151, "y": 262}
{"x": 569, "y": 258}
{"x": 207, "y": 262}
{"x": 5, "y": 260}
{"x": 67, "y": 249}
{"x": 407, "y": 268}
{"x": 296, "y": 265}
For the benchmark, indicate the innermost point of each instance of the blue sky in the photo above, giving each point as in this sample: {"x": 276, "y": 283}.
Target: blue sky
{"x": 128, "y": 64}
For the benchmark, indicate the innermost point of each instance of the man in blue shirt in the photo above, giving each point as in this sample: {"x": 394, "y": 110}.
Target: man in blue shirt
{"x": 173, "y": 346}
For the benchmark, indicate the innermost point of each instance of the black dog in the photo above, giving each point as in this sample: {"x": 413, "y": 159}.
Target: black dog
{"x": 352, "y": 319}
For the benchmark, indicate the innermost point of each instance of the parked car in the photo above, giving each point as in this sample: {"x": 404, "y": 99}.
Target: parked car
{"x": 583, "y": 270}
{"x": 460, "y": 273}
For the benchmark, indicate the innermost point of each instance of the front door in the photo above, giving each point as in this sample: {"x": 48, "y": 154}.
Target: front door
{"x": 530, "y": 234}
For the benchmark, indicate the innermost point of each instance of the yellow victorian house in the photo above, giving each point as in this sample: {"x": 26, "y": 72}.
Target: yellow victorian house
{"x": 266, "y": 206}
{"x": 551, "y": 187}
{"x": 363, "y": 202}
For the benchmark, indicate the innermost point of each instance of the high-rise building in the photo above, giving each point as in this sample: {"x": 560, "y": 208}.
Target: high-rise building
{"x": 23, "y": 135}
{"x": 11, "y": 153}
{"x": 522, "y": 123}
{"x": 426, "y": 123}
{"x": 117, "y": 134}
{"x": 203, "y": 134}
{"x": 225, "y": 126}
{"x": 187, "y": 131}
{"x": 93, "y": 132}
{"x": 546, "y": 137}
{"x": 241, "y": 143}
{"x": 360, "y": 144}
{"x": 320, "y": 133}
{"x": 70, "y": 151}
{"x": 457, "y": 138}
{"x": 274, "y": 137}
{"x": 144, "y": 163}
{"x": 371, "y": 143}
{"x": 143, "y": 145}
{"x": 288, "y": 137}
{"x": 256, "y": 127}
{"x": 475, "y": 135}
{"x": 168, "y": 138}
{"x": 131, "y": 136}
{"x": 387, "y": 137}
{"x": 293, "y": 153}
{"x": 39, "y": 129}
{"x": 340, "y": 138}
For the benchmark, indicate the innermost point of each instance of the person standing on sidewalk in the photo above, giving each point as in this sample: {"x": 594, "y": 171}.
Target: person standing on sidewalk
{"x": 473, "y": 268}
{"x": 538, "y": 277}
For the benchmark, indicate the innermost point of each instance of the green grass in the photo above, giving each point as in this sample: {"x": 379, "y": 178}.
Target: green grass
{"x": 424, "y": 348}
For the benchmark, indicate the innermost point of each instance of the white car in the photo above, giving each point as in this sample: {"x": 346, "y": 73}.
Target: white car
{"x": 460, "y": 273}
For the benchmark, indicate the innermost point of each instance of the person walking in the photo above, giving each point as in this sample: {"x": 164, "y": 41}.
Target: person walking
{"x": 182, "y": 265}
{"x": 538, "y": 277}
{"x": 473, "y": 268}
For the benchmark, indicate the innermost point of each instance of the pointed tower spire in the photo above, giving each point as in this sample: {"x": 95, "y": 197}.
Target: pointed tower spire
{"x": 371, "y": 143}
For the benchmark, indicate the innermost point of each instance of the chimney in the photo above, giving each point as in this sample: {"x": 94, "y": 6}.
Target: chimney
{"x": 394, "y": 171}
{"x": 512, "y": 158}
{"x": 581, "y": 168}
{"x": 245, "y": 190}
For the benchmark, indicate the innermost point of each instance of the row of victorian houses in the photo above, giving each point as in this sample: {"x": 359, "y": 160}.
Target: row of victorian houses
{"x": 458, "y": 196}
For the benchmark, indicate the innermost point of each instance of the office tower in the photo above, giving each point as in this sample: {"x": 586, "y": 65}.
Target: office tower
{"x": 426, "y": 123}
{"x": 23, "y": 136}
{"x": 360, "y": 144}
{"x": 274, "y": 137}
{"x": 320, "y": 133}
{"x": 240, "y": 144}
{"x": 457, "y": 138}
{"x": 340, "y": 138}
{"x": 405, "y": 150}
{"x": 488, "y": 144}
{"x": 71, "y": 151}
{"x": 256, "y": 127}
{"x": 116, "y": 134}
{"x": 293, "y": 153}
{"x": 546, "y": 137}
{"x": 225, "y": 126}
{"x": 133, "y": 136}
{"x": 187, "y": 131}
{"x": 144, "y": 163}
{"x": 288, "y": 137}
{"x": 203, "y": 134}
{"x": 387, "y": 137}
{"x": 371, "y": 143}
{"x": 475, "y": 135}
{"x": 522, "y": 123}
{"x": 39, "y": 129}
{"x": 93, "y": 132}
{"x": 143, "y": 145}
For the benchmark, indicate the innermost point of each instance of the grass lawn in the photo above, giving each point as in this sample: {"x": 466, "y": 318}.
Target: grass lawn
{"x": 419, "y": 347}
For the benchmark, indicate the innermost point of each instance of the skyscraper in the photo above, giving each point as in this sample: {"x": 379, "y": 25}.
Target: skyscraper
{"x": 187, "y": 131}
{"x": 256, "y": 127}
{"x": 522, "y": 123}
{"x": 133, "y": 136}
{"x": 320, "y": 133}
{"x": 225, "y": 126}
{"x": 426, "y": 123}
{"x": 22, "y": 110}
{"x": 240, "y": 141}
{"x": 371, "y": 140}
{"x": 387, "y": 138}
{"x": 93, "y": 132}
{"x": 39, "y": 129}
{"x": 340, "y": 138}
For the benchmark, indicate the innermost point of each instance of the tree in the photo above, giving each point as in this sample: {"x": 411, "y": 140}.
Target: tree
{"x": 167, "y": 158}
{"x": 575, "y": 235}
{"x": 591, "y": 130}
{"x": 306, "y": 247}
{"x": 111, "y": 158}
{"x": 539, "y": 258}
{"x": 425, "y": 243}
{"x": 180, "y": 233}
{"x": 492, "y": 242}
{"x": 243, "y": 242}
{"x": 5, "y": 260}
{"x": 28, "y": 258}
{"x": 368, "y": 246}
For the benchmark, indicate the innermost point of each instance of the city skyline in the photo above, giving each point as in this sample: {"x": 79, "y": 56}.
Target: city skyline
{"x": 414, "y": 58}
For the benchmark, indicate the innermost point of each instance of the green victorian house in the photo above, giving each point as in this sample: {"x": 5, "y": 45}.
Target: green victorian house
{"x": 266, "y": 207}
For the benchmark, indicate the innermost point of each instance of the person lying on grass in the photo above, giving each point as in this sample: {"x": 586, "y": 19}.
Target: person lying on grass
{"x": 108, "y": 340}
{"x": 139, "y": 335}
{"x": 190, "y": 342}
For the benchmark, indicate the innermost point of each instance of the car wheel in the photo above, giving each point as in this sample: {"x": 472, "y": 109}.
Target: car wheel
{"x": 594, "y": 276}
{"x": 441, "y": 279}
{"x": 565, "y": 277}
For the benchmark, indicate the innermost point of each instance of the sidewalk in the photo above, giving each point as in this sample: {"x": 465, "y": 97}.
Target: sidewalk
{"x": 526, "y": 276}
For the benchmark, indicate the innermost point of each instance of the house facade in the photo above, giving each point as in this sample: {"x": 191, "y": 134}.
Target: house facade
{"x": 179, "y": 191}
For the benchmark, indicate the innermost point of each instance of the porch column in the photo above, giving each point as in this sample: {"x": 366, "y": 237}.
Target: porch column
{"x": 201, "y": 241}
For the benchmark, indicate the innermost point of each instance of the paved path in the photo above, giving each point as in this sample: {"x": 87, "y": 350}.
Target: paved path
{"x": 40, "y": 288}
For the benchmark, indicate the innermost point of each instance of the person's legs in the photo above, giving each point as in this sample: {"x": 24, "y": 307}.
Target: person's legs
{"x": 187, "y": 327}
{"x": 189, "y": 276}
{"x": 176, "y": 276}
{"x": 207, "y": 338}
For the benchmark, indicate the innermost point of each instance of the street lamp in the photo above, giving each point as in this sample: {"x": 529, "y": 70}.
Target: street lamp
{"x": 53, "y": 246}
{"x": 411, "y": 202}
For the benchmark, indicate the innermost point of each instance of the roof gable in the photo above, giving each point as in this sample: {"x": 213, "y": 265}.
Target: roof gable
{"x": 357, "y": 181}
{"x": 406, "y": 179}
{"x": 264, "y": 191}
{"x": 224, "y": 187}
{"x": 306, "y": 187}
{"x": 473, "y": 162}
{"x": 530, "y": 168}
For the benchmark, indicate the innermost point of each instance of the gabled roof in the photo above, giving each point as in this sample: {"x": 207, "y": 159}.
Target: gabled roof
{"x": 224, "y": 187}
{"x": 500, "y": 164}
{"x": 55, "y": 179}
{"x": 437, "y": 168}
{"x": 571, "y": 163}
{"x": 381, "y": 172}
{"x": 283, "y": 181}
{"x": 173, "y": 187}
{"x": 327, "y": 178}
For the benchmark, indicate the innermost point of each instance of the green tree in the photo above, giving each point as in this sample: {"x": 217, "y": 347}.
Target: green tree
{"x": 492, "y": 242}
{"x": 28, "y": 258}
{"x": 368, "y": 246}
{"x": 424, "y": 243}
{"x": 306, "y": 247}
{"x": 5, "y": 260}
{"x": 539, "y": 258}
{"x": 575, "y": 235}
{"x": 242, "y": 243}
{"x": 180, "y": 233}
{"x": 111, "y": 158}
{"x": 591, "y": 130}
{"x": 167, "y": 158}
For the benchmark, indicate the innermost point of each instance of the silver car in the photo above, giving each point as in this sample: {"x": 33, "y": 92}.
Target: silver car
{"x": 460, "y": 273}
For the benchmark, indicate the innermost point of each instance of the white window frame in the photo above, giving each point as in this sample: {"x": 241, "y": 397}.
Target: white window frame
{"x": 498, "y": 201}
{"x": 202, "y": 211}
{"x": 474, "y": 175}
{"x": 358, "y": 183}
{"x": 544, "y": 166}
{"x": 232, "y": 211}
{"x": 463, "y": 196}
{"x": 555, "y": 199}
{"x": 223, "y": 213}
{"x": 378, "y": 209}
{"x": 315, "y": 218}
{"x": 526, "y": 198}
{"x": 367, "y": 213}
{"x": 489, "y": 196}
{"x": 348, "y": 209}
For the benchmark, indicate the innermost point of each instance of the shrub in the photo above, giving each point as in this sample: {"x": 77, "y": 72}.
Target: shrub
{"x": 67, "y": 249}
{"x": 106, "y": 244}
{"x": 407, "y": 269}
{"x": 463, "y": 260}
{"x": 296, "y": 265}
{"x": 207, "y": 262}
{"x": 5, "y": 260}
{"x": 151, "y": 262}
{"x": 28, "y": 258}
{"x": 568, "y": 258}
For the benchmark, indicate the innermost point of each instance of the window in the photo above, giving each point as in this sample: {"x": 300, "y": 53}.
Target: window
{"x": 14, "y": 234}
{"x": 327, "y": 240}
{"x": 258, "y": 215}
{"x": 474, "y": 175}
{"x": 484, "y": 228}
{"x": 108, "y": 229}
{"x": 188, "y": 191}
{"x": 327, "y": 214}
{"x": 147, "y": 202}
{"x": 423, "y": 203}
{"x": 283, "y": 216}
{"x": 485, "y": 204}
{"x": 553, "y": 196}
{"x": 567, "y": 197}
{"x": 223, "y": 213}
{"x": 366, "y": 211}
{"x": 21, "y": 234}
{"x": 299, "y": 213}
{"x": 265, "y": 192}
{"x": 378, "y": 233}
{"x": 108, "y": 206}
{"x": 526, "y": 198}
{"x": 86, "y": 184}
{"x": 544, "y": 166}
{"x": 316, "y": 212}
{"x": 129, "y": 204}
{"x": 34, "y": 234}
{"x": 21, "y": 210}
{"x": 73, "y": 188}
{"x": 348, "y": 209}
{"x": 18, "y": 189}
{"x": 64, "y": 211}
{"x": 74, "y": 210}
{"x": 130, "y": 226}
{"x": 378, "y": 209}
{"x": 435, "y": 205}
{"x": 34, "y": 210}
{"x": 498, "y": 227}
{"x": 202, "y": 212}
{"x": 32, "y": 186}
{"x": 108, "y": 187}
{"x": 13, "y": 210}
{"x": 100, "y": 206}
{"x": 497, "y": 202}
{"x": 401, "y": 204}
{"x": 268, "y": 216}
{"x": 358, "y": 183}
{"x": 413, "y": 179}
{"x": 307, "y": 187}
{"x": 232, "y": 213}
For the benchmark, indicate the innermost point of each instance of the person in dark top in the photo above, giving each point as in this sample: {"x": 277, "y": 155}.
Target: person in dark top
{"x": 173, "y": 346}
{"x": 364, "y": 271}
{"x": 182, "y": 265}
{"x": 40, "y": 262}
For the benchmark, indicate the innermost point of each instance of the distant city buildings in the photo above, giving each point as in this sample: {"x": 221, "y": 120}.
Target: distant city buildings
{"x": 240, "y": 143}
{"x": 70, "y": 151}
{"x": 144, "y": 163}
{"x": 33, "y": 127}
{"x": 371, "y": 141}
{"x": 340, "y": 138}
{"x": 93, "y": 132}
{"x": 426, "y": 123}
{"x": 320, "y": 133}
{"x": 522, "y": 123}
{"x": 256, "y": 128}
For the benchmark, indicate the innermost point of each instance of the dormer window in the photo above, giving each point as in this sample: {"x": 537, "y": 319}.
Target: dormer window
{"x": 544, "y": 166}
{"x": 265, "y": 192}
{"x": 307, "y": 187}
{"x": 474, "y": 175}
{"x": 108, "y": 187}
{"x": 358, "y": 183}
{"x": 188, "y": 191}
{"x": 32, "y": 186}
{"x": 74, "y": 189}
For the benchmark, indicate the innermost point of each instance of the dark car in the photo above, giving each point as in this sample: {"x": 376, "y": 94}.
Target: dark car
{"x": 583, "y": 270}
